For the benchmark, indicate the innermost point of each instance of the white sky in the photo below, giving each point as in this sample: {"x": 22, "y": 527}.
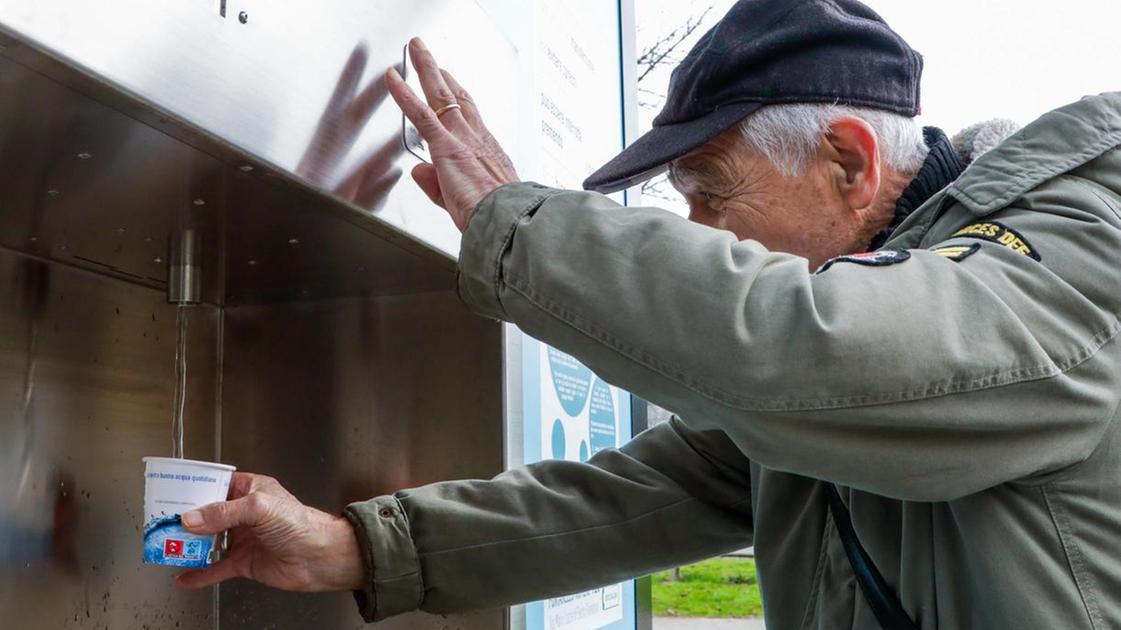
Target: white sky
{"x": 983, "y": 58}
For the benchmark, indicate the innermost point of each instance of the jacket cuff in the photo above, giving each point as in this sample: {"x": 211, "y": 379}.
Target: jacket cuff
{"x": 393, "y": 581}
{"x": 488, "y": 237}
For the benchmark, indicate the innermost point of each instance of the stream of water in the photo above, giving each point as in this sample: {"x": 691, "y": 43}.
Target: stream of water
{"x": 180, "y": 381}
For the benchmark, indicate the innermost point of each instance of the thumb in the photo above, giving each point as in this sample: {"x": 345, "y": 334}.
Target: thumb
{"x": 425, "y": 177}
{"x": 219, "y": 517}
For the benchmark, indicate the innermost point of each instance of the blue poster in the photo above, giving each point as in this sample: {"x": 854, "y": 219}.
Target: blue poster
{"x": 572, "y": 414}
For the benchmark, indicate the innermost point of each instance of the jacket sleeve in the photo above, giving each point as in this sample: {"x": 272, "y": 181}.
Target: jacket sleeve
{"x": 670, "y": 496}
{"x": 925, "y": 380}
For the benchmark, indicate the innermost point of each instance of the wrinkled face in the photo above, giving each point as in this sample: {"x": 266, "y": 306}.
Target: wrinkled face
{"x": 731, "y": 187}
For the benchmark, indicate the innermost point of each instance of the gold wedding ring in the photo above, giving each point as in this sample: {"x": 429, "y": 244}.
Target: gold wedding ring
{"x": 447, "y": 108}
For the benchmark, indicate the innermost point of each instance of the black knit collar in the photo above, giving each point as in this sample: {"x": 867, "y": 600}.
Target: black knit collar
{"x": 940, "y": 168}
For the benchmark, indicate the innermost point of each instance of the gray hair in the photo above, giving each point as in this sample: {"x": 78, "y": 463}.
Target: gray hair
{"x": 789, "y": 135}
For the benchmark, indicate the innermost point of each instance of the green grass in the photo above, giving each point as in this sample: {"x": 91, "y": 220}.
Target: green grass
{"x": 721, "y": 587}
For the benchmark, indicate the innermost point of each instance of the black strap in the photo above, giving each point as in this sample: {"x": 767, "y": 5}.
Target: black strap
{"x": 881, "y": 599}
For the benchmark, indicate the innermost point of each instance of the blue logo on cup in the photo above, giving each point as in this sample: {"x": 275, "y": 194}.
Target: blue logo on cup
{"x": 167, "y": 542}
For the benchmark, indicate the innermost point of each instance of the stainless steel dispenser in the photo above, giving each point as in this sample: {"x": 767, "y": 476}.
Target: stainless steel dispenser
{"x": 240, "y": 157}
{"x": 151, "y": 158}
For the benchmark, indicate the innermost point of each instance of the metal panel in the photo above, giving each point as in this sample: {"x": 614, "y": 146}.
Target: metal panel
{"x": 87, "y": 185}
{"x": 341, "y": 399}
{"x": 85, "y": 392}
{"x": 345, "y": 400}
{"x": 395, "y": 385}
{"x": 297, "y": 84}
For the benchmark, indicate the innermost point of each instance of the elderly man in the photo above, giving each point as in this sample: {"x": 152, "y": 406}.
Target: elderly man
{"x": 893, "y": 373}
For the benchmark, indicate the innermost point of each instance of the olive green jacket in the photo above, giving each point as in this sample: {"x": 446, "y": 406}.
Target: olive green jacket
{"x": 963, "y": 398}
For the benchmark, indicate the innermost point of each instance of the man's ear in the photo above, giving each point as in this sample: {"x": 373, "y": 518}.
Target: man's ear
{"x": 853, "y": 151}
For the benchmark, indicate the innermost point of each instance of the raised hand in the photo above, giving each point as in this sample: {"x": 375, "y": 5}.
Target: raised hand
{"x": 467, "y": 162}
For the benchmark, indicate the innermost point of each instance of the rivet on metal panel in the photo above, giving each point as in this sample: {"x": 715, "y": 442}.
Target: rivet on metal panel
{"x": 158, "y": 260}
{"x": 293, "y": 241}
{"x": 243, "y": 17}
{"x": 199, "y": 202}
{"x": 245, "y": 168}
{"x": 84, "y": 155}
{"x": 252, "y": 263}
{"x": 33, "y": 239}
{"x": 120, "y": 230}
{"x": 53, "y": 192}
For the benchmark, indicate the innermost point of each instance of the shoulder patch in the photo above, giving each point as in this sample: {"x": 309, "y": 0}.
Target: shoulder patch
{"x": 956, "y": 253}
{"x": 996, "y": 232}
{"x": 879, "y": 258}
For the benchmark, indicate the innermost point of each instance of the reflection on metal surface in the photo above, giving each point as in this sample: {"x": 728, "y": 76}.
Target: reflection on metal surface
{"x": 34, "y": 280}
{"x": 299, "y": 86}
{"x": 346, "y": 116}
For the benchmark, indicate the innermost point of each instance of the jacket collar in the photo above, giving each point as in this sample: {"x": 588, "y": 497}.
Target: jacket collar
{"x": 940, "y": 168}
{"x": 1057, "y": 142}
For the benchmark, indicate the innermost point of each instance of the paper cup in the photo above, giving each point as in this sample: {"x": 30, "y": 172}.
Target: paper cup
{"x": 171, "y": 487}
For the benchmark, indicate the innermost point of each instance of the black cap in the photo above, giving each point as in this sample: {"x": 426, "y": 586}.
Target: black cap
{"x": 765, "y": 52}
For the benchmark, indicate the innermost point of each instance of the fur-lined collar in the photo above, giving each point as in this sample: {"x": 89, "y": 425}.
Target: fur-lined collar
{"x": 976, "y": 140}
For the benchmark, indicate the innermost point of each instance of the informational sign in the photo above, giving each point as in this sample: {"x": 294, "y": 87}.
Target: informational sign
{"x": 572, "y": 414}
{"x": 586, "y": 412}
{"x": 578, "y": 97}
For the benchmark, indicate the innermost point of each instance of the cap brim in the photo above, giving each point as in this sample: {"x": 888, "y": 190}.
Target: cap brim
{"x": 649, "y": 155}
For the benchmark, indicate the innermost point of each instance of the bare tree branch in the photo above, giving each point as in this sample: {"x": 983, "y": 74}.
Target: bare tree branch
{"x": 660, "y": 188}
{"x": 659, "y": 52}
{"x": 663, "y": 52}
